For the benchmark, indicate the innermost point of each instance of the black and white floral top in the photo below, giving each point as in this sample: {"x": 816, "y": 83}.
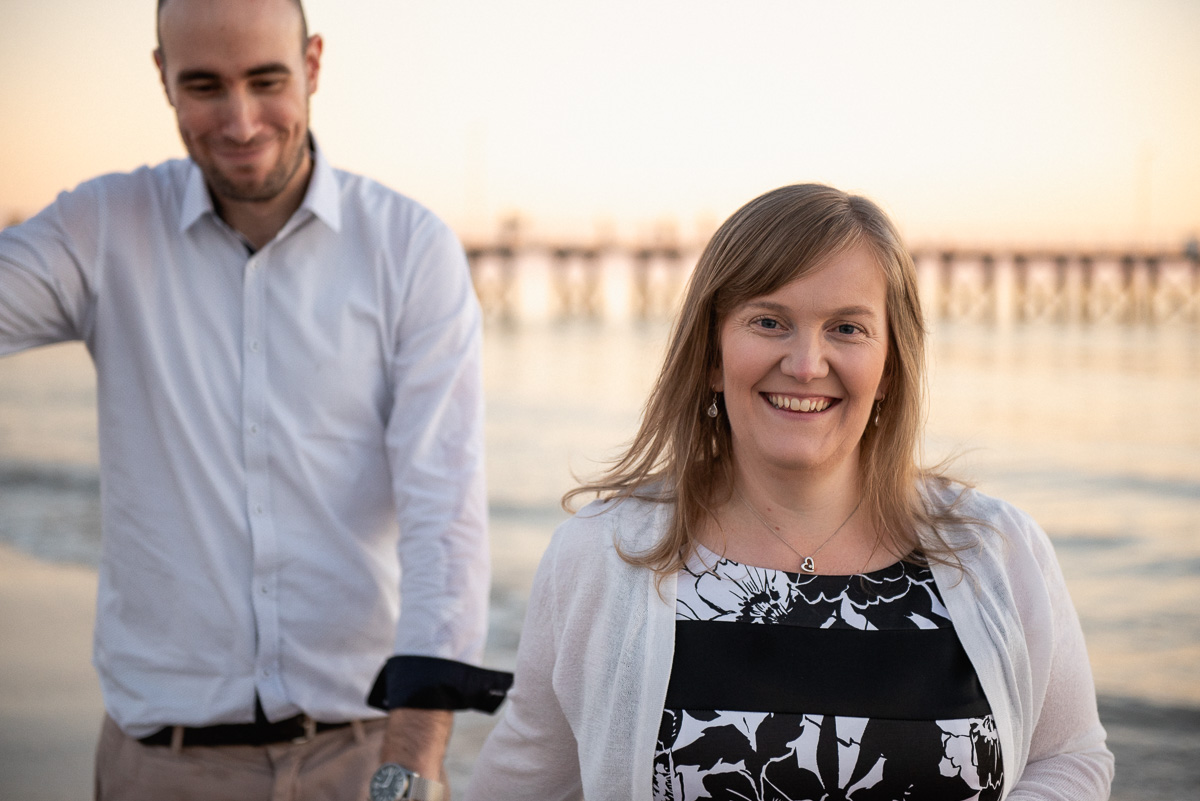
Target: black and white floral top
{"x": 856, "y": 689}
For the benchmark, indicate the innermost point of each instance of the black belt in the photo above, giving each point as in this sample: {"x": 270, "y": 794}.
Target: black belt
{"x": 261, "y": 732}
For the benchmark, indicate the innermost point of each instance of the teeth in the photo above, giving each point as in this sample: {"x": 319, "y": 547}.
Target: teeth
{"x": 798, "y": 405}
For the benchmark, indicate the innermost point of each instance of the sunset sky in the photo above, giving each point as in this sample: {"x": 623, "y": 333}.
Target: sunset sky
{"x": 1065, "y": 121}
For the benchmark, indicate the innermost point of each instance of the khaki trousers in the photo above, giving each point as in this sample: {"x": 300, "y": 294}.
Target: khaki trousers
{"x": 332, "y": 766}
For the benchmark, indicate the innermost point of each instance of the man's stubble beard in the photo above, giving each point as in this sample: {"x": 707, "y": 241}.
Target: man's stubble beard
{"x": 276, "y": 181}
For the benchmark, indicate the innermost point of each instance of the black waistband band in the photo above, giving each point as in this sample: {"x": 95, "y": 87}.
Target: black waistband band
{"x": 257, "y": 733}
{"x": 915, "y": 674}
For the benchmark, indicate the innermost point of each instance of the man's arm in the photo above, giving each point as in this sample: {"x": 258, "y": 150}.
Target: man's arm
{"x": 45, "y": 285}
{"x": 435, "y": 445}
{"x": 417, "y": 739}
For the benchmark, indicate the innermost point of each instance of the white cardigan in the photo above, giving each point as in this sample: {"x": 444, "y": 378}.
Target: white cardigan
{"x": 596, "y": 650}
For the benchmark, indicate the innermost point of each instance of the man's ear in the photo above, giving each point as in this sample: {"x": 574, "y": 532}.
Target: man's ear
{"x": 161, "y": 64}
{"x": 312, "y": 60}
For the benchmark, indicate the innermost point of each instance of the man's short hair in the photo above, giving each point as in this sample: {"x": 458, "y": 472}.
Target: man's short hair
{"x": 297, "y": 3}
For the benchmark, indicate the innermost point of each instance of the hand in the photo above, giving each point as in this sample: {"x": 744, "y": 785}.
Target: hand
{"x": 417, "y": 739}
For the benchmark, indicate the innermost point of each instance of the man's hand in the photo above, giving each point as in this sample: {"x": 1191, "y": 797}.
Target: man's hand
{"x": 417, "y": 739}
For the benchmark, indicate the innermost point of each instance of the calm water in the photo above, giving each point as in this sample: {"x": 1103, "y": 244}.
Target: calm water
{"x": 1095, "y": 431}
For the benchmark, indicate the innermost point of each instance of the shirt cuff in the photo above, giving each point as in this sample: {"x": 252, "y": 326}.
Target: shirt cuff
{"x": 427, "y": 682}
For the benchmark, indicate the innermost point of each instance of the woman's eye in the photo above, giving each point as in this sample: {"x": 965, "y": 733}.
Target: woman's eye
{"x": 847, "y": 329}
{"x": 767, "y": 323}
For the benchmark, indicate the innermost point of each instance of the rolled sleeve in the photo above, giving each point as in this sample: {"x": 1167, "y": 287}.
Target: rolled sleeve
{"x": 423, "y": 682}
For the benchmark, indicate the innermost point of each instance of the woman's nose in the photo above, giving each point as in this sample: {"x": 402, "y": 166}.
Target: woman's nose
{"x": 805, "y": 359}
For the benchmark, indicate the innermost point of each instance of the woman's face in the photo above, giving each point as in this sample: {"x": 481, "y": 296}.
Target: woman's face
{"x": 802, "y": 367}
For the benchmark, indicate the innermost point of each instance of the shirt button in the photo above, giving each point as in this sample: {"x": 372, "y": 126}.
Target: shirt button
{"x": 258, "y": 509}
{"x": 254, "y": 346}
{"x": 264, "y": 589}
{"x": 266, "y": 673}
{"x": 253, "y": 429}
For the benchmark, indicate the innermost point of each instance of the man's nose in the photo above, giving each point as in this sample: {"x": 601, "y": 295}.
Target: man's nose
{"x": 241, "y": 122}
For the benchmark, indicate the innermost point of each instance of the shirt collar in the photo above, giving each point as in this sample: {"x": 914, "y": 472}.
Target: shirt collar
{"x": 321, "y": 199}
{"x": 196, "y": 200}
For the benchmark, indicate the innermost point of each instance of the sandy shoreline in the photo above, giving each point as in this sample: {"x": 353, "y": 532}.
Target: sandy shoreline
{"x": 50, "y": 706}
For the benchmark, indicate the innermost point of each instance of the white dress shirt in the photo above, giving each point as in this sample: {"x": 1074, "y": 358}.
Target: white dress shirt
{"x": 291, "y": 444}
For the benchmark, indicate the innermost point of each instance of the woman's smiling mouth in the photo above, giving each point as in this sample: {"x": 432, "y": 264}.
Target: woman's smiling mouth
{"x": 789, "y": 403}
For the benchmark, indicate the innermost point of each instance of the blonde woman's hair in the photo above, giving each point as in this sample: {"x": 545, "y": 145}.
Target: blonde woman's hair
{"x": 682, "y": 456}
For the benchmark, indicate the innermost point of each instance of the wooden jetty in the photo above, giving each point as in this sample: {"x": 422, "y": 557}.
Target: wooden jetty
{"x": 516, "y": 280}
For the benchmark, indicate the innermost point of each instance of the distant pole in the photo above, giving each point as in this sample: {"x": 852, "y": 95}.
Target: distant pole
{"x": 1142, "y": 209}
{"x": 475, "y": 186}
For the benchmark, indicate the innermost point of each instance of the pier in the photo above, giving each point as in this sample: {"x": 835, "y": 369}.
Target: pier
{"x": 529, "y": 281}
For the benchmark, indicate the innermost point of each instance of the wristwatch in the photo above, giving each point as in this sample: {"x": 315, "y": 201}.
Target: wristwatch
{"x": 395, "y": 783}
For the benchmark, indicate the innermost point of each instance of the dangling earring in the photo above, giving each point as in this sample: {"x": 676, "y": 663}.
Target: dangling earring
{"x": 878, "y": 408}
{"x": 713, "y": 411}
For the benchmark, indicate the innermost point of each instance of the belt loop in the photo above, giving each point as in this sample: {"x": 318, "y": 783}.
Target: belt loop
{"x": 310, "y": 730}
{"x": 177, "y": 739}
{"x": 360, "y": 733}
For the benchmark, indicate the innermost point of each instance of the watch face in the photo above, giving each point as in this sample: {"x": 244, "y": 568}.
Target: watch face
{"x": 389, "y": 783}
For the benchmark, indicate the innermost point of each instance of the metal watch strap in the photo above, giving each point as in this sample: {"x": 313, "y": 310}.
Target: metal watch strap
{"x": 422, "y": 789}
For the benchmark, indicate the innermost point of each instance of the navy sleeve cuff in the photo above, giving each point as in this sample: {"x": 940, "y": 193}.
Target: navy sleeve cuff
{"x": 427, "y": 682}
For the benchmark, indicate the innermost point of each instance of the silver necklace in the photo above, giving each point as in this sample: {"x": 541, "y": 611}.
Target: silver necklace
{"x": 806, "y": 562}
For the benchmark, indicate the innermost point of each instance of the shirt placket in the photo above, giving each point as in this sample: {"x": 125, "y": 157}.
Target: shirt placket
{"x": 264, "y": 544}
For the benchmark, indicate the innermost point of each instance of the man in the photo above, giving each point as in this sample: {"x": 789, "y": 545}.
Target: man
{"x": 290, "y": 420}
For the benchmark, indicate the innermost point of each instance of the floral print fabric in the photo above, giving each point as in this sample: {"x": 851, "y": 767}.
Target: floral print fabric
{"x": 776, "y": 756}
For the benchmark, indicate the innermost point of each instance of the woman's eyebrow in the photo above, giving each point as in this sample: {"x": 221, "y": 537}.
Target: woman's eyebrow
{"x": 844, "y": 311}
{"x": 854, "y": 311}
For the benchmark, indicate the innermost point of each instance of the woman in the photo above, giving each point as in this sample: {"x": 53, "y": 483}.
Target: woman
{"x": 773, "y": 600}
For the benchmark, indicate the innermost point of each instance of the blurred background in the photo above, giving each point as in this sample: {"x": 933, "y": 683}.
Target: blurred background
{"x": 1040, "y": 157}
{"x": 1061, "y": 121}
